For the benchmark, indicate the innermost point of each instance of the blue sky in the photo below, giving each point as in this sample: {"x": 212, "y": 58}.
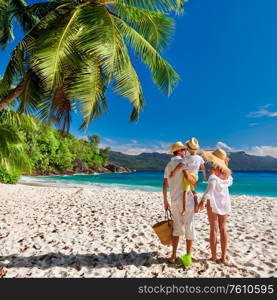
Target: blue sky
{"x": 226, "y": 55}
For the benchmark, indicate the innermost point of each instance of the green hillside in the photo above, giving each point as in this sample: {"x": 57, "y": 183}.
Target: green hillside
{"x": 239, "y": 161}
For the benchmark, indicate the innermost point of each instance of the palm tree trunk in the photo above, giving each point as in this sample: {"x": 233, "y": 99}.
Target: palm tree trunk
{"x": 14, "y": 93}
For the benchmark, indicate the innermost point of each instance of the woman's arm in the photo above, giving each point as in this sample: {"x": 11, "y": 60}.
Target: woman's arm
{"x": 208, "y": 193}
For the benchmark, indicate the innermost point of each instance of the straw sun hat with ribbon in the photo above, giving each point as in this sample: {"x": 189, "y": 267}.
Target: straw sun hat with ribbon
{"x": 218, "y": 158}
{"x": 177, "y": 146}
{"x": 192, "y": 144}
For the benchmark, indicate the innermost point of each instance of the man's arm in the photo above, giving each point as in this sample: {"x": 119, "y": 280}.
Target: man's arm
{"x": 178, "y": 167}
{"x": 166, "y": 203}
{"x": 204, "y": 172}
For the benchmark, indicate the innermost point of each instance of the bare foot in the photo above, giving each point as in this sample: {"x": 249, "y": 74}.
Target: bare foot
{"x": 172, "y": 259}
{"x": 212, "y": 258}
{"x": 224, "y": 260}
{"x": 183, "y": 213}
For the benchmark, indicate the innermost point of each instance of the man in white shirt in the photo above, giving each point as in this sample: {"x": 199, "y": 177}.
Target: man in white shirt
{"x": 182, "y": 225}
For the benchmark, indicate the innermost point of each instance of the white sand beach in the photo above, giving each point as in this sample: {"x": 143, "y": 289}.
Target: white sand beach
{"x": 81, "y": 232}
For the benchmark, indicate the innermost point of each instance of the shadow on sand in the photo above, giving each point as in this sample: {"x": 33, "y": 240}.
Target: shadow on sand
{"x": 101, "y": 260}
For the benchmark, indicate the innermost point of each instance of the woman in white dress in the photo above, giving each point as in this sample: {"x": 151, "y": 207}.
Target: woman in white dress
{"x": 218, "y": 200}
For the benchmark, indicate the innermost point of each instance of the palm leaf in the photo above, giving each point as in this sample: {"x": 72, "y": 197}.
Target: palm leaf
{"x": 88, "y": 88}
{"x": 54, "y": 46}
{"x": 159, "y": 5}
{"x": 6, "y": 29}
{"x": 100, "y": 38}
{"x": 24, "y": 17}
{"x": 14, "y": 69}
{"x": 61, "y": 109}
{"x": 22, "y": 52}
{"x": 16, "y": 160}
{"x": 32, "y": 95}
{"x": 12, "y": 155}
{"x": 163, "y": 74}
{"x": 8, "y": 136}
{"x": 155, "y": 27}
{"x": 126, "y": 83}
{"x": 15, "y": 119}
{"x": 42, "y": 9}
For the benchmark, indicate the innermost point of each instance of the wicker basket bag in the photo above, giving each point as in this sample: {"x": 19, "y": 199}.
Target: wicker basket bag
{"x": 164, "y": 229}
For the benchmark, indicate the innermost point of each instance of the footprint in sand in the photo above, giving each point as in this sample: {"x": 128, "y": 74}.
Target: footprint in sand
{"x": 269, "y": 264}
{"x": 248, "y": 264}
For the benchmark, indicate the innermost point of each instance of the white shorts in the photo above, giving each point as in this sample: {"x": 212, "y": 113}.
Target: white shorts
{"x": 183, "y": 225}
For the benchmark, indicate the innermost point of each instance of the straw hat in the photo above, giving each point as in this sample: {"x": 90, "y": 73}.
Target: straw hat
{"x": 218, "y": 158}
{"x": 192, "y": 144}
{"x": 177, "y": 146}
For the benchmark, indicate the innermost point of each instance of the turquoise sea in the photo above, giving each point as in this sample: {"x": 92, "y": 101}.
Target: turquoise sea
{"x": 245, "y": 183}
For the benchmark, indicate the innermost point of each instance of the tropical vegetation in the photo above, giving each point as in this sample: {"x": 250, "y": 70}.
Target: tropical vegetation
{"x": 72, "y": 52}
{"x": 29, "y": 146}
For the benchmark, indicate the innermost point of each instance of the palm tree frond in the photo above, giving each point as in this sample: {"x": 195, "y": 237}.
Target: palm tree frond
{"x": 8, "y": 137}
{"x": 32, "y": 95}
{"x": 163, "y": 74}
{"x": 88, "y": 87}
{"x": 126, "y": 83}
{"x": 14, "y": 69}
{"x": 15, "y": 119}
{"x": 61, "y": 109}
{"x": 42, "y": 9}
{"x": 160, "y": 5}
{"x": 52, "y": 47}
{"x": 100, "y": 37}
{"x": 6, "y": 29}
{"x": 155, "y": 27}
{"x": 24, "y": 17}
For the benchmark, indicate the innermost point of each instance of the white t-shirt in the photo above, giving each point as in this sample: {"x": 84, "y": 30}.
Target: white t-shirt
{"x": 193, "y": 163}
{"x": 175, "y": 182}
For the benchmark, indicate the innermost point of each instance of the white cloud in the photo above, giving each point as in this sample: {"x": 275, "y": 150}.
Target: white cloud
{"x": 110, "y": 141}
{"x": 135, "y": 147}
{"x": 263, "y": 112}
{"x": 224, "y": 146}
{"x": 263, "y": 151}
{"x": 255, "y": 150}
{"x": 267, "y": 106}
